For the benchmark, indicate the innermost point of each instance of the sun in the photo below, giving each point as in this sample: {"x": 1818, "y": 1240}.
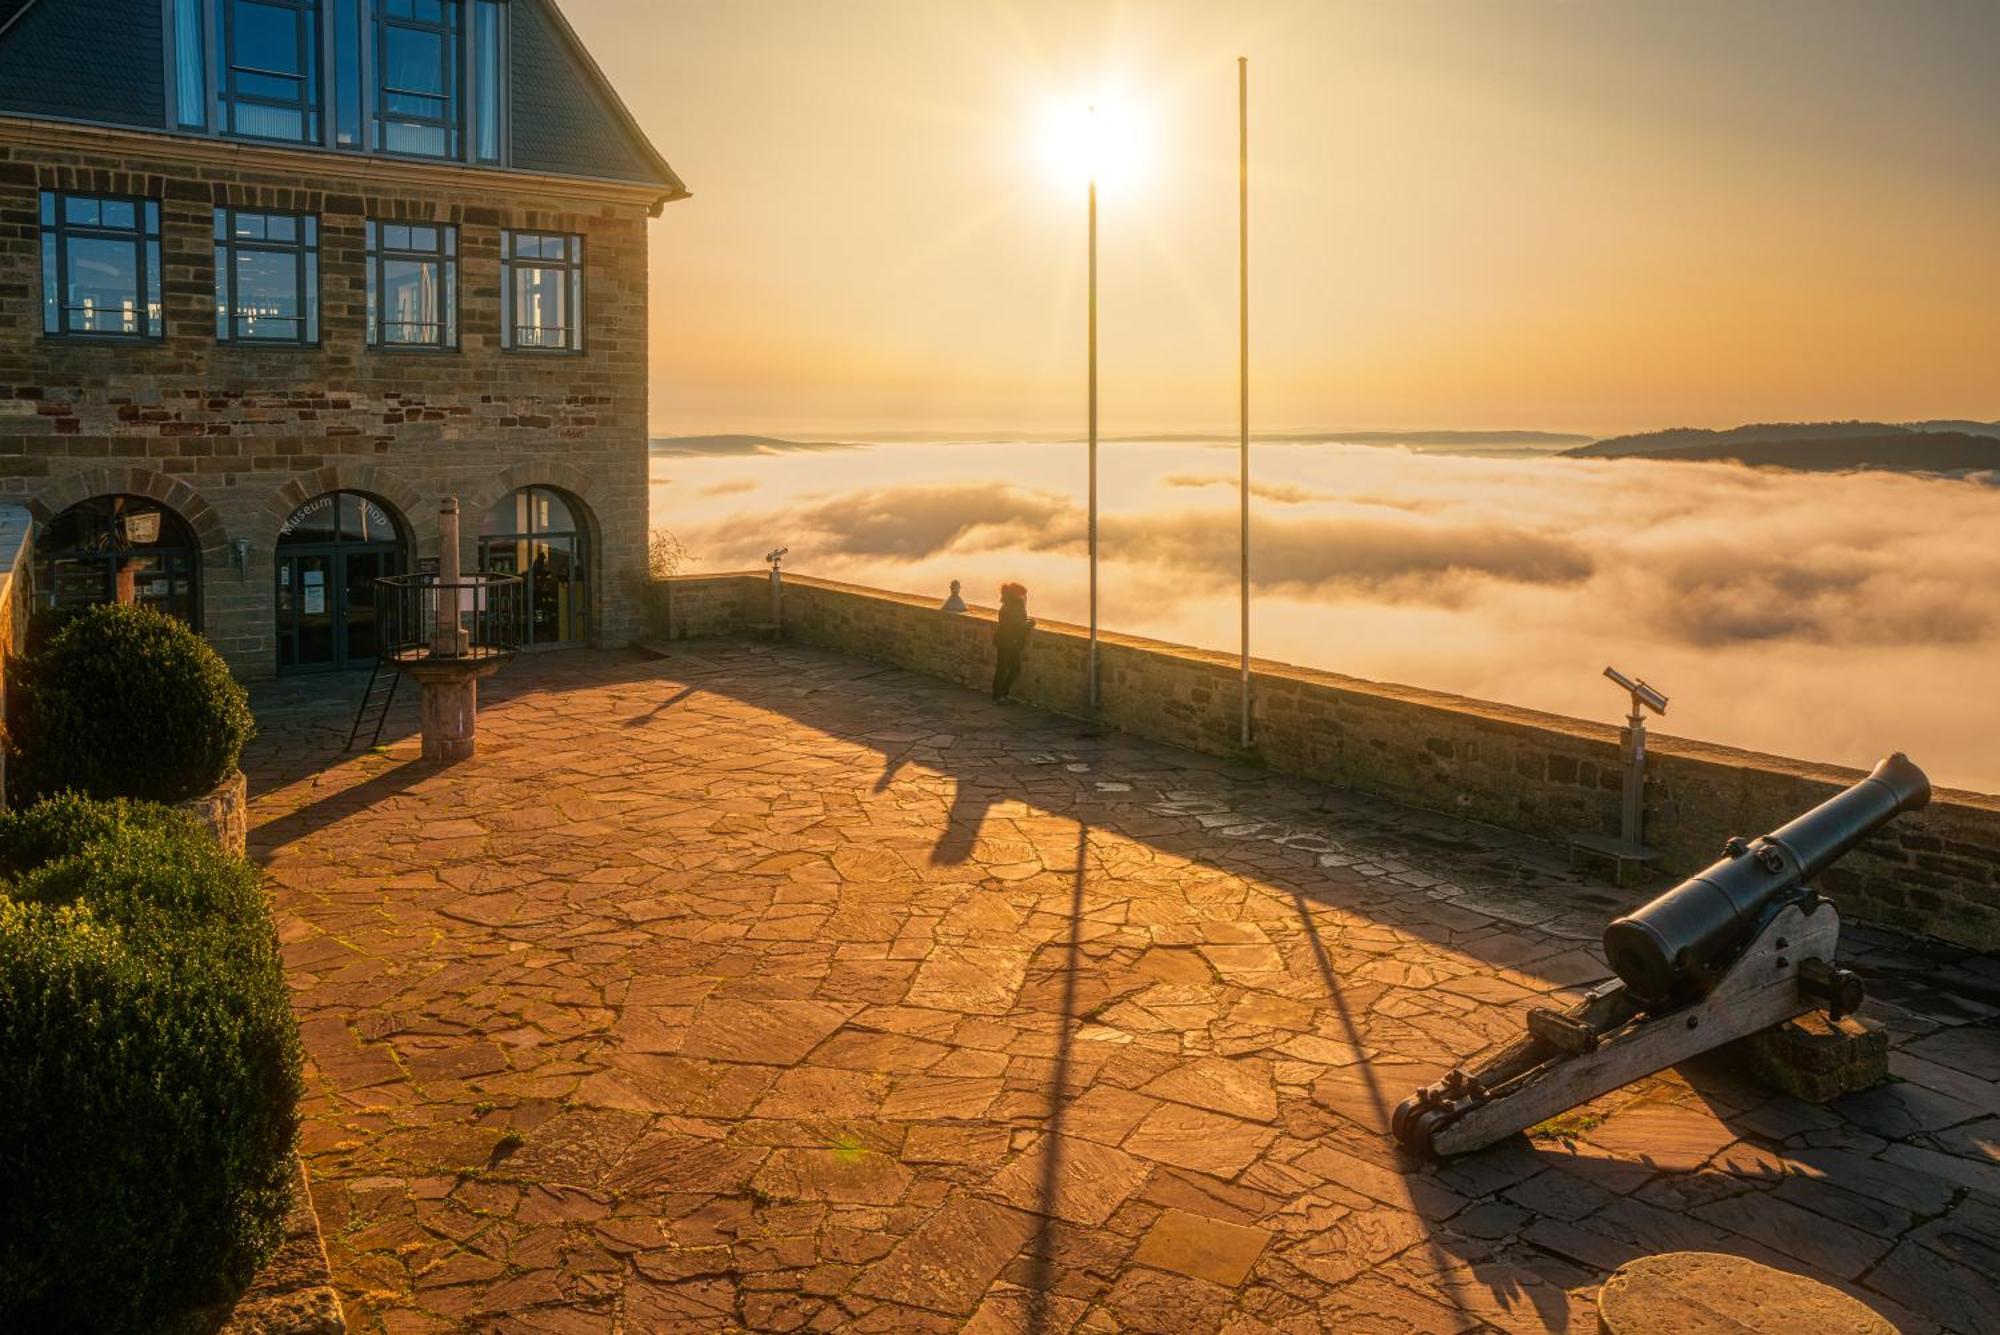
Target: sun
{"x": 1101, "y": 139}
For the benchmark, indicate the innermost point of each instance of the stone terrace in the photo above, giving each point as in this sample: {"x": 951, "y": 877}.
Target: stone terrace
{"x": 756, "y": 988}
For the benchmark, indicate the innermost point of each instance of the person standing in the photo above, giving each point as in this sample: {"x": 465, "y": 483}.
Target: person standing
{"x": 1010, "y": 637}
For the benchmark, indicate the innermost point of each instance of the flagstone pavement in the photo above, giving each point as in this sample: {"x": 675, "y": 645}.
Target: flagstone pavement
{"x": 753, "y": 988}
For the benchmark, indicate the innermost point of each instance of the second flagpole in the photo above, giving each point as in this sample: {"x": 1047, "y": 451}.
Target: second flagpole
{"x": 1243, "y": 362}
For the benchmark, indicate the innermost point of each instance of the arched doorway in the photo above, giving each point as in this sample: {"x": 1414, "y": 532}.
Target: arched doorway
{"x": 330, "y": 553}
{"x": 542, "y": 535}
{"x": 120, "y": 549}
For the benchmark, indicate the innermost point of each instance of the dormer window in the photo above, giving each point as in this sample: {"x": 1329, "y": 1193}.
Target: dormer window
{"x": 412, "y": 78}
{"x": 270, "y": 69}
{"x": 417, "y": 69}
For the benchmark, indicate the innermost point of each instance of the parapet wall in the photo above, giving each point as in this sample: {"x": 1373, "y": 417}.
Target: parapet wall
{"x": 1936, "y": 871}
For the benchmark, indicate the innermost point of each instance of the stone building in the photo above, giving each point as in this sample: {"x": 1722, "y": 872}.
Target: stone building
{"x": 278, "y": 275}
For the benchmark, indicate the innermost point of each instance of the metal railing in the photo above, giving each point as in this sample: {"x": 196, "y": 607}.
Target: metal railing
{"x": 482, "y": 615}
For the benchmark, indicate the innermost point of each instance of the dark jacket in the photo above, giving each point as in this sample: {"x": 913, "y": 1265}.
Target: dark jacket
{"x": 1012, "y": 630}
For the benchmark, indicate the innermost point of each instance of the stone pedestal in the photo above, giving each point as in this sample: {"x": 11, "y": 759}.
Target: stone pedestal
{"x": 1709, "y": 1293}
{"x": 293, "y": 1292}
{"x": 1813, "y": 1058}
{"x": 225, "y": 811}
{"x": 450, "y": 705}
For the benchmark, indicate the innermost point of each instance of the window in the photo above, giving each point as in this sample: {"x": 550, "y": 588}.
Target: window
{"x": 412, "y": 285}
{"x": 100, "y": 267}
{"x": 118, "y": 549}
{"x": 348, "y": 86}
{"x": 416, "y": 77}
{"x": 190, "y": 68}
{"x": 541, "y": 292}
{"x": 270, "y": 69}
{"x": 489, "y": 73}
{"x": 538, "y": 534}
{"x": 266, "y": 277}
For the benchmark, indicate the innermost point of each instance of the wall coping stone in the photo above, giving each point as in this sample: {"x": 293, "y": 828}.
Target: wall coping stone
{"x": 1934, "y": 872}
{"x": 1658, "y": 743}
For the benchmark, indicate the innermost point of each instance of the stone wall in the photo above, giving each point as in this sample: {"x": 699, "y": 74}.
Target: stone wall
{"x": 233, "y": 438}
{"x": 695, "y": 607}
{"x": 1935, "y": 871}
{"x": 17, "y": 532}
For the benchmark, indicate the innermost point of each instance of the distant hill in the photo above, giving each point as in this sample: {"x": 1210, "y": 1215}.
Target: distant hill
{"x": 740, "y": 445}
{"x": 1454, "y": 442}
{"x": 1688, "y": 442}
{"x": 1895, "y": 449}
{"x": 1541, "y": 439}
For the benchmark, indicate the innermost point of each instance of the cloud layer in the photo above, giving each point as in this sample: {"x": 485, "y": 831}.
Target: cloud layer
{"x": 1778, "y": 599}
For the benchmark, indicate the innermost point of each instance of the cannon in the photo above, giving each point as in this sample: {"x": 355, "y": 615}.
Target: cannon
{"x": 1736, "y": 948}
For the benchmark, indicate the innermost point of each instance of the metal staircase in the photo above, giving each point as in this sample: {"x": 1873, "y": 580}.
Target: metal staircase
{"x": 375, "y": 702}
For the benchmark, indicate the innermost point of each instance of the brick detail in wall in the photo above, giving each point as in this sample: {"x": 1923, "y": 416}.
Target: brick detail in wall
{"x": 233, "y": 438}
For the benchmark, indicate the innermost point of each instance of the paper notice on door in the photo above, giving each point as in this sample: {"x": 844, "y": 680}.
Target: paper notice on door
{"x": 315, "y": 599}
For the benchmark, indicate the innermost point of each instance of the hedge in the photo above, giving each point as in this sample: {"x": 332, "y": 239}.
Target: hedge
{"x": 121, "y": 700}
{"x": 149, "y": 1069}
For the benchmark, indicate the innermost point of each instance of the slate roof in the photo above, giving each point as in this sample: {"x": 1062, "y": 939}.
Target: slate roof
{"x": 91, "y": 61}
{"x": 566, "y": 117}
{"x": 80, "y": 60}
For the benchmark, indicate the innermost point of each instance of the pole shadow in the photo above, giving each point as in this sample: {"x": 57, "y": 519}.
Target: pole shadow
{"x": 1042, "y": 1270}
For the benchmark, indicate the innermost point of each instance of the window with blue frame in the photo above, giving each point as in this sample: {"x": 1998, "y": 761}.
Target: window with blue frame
{"x": 417, "y": 77}
{"x": 190, "y": 67}
{"x": 349, "y": 88}
{"x": 420, "y": 78}
{"x": 100, "y": 267}
{"x": 489, "y": 80}
{"x": 541, "y": 292}
{"x": 270, "y": 69}
{"x": 266, "y": 277}
{"x": 412, "y": 285}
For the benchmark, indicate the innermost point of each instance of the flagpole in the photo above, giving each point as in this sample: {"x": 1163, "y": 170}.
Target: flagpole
{"x": 1093, "y": 438}
{"x": 1243, "y": 359}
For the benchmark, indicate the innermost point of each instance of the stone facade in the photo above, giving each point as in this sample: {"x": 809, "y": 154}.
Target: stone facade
{"x": 1935, "y": 871}
{"x": 234, "y": 438}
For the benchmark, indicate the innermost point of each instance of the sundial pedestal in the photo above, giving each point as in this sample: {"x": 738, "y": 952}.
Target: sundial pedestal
{"x": 450, "y": 704}
{"x": 448, "y": 630}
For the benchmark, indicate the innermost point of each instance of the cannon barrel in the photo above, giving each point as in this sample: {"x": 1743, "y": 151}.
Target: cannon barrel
{"x": 1667, "y": 952}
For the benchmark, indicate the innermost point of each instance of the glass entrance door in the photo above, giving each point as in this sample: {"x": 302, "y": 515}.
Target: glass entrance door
{"x": 536, "y": 533}
{"x": 357, "y": 594}
{"x": 326, "y": 605}
{"x": 307, "y": 638}
{"x": 330, "y": 553}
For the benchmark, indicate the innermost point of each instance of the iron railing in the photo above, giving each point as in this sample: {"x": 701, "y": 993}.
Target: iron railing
{"x": 482, "y": 615}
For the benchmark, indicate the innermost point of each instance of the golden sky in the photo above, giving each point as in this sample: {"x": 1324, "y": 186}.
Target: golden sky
{"x": 1465, "y": 213}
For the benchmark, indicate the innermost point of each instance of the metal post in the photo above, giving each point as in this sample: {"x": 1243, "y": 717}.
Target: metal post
{"x": 1631, "y": 824}
{"x": 776, "y": 557}
{"x": 1243, "y": 359}
{"x": 1093, "y": 437}
{"x": 448, "y": 637}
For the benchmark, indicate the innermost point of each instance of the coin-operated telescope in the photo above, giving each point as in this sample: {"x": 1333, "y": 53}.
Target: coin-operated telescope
{"x": 1739, "y": 947}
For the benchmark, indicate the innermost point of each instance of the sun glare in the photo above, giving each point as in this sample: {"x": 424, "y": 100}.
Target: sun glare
{"x": 1103, "y": 140}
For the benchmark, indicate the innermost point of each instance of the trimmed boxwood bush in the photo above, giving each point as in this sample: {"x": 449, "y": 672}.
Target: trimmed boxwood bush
{"x": 125, "y": 701}
{"x": 149, "y": 1069}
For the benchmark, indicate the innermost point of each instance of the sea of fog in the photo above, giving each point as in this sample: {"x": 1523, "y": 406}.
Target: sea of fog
{"x": 1830, "y": 617}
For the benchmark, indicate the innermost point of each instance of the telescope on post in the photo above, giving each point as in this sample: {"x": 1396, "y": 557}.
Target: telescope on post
{"x": 1629, "y": 848}
{"x": 1739, "y": 947}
